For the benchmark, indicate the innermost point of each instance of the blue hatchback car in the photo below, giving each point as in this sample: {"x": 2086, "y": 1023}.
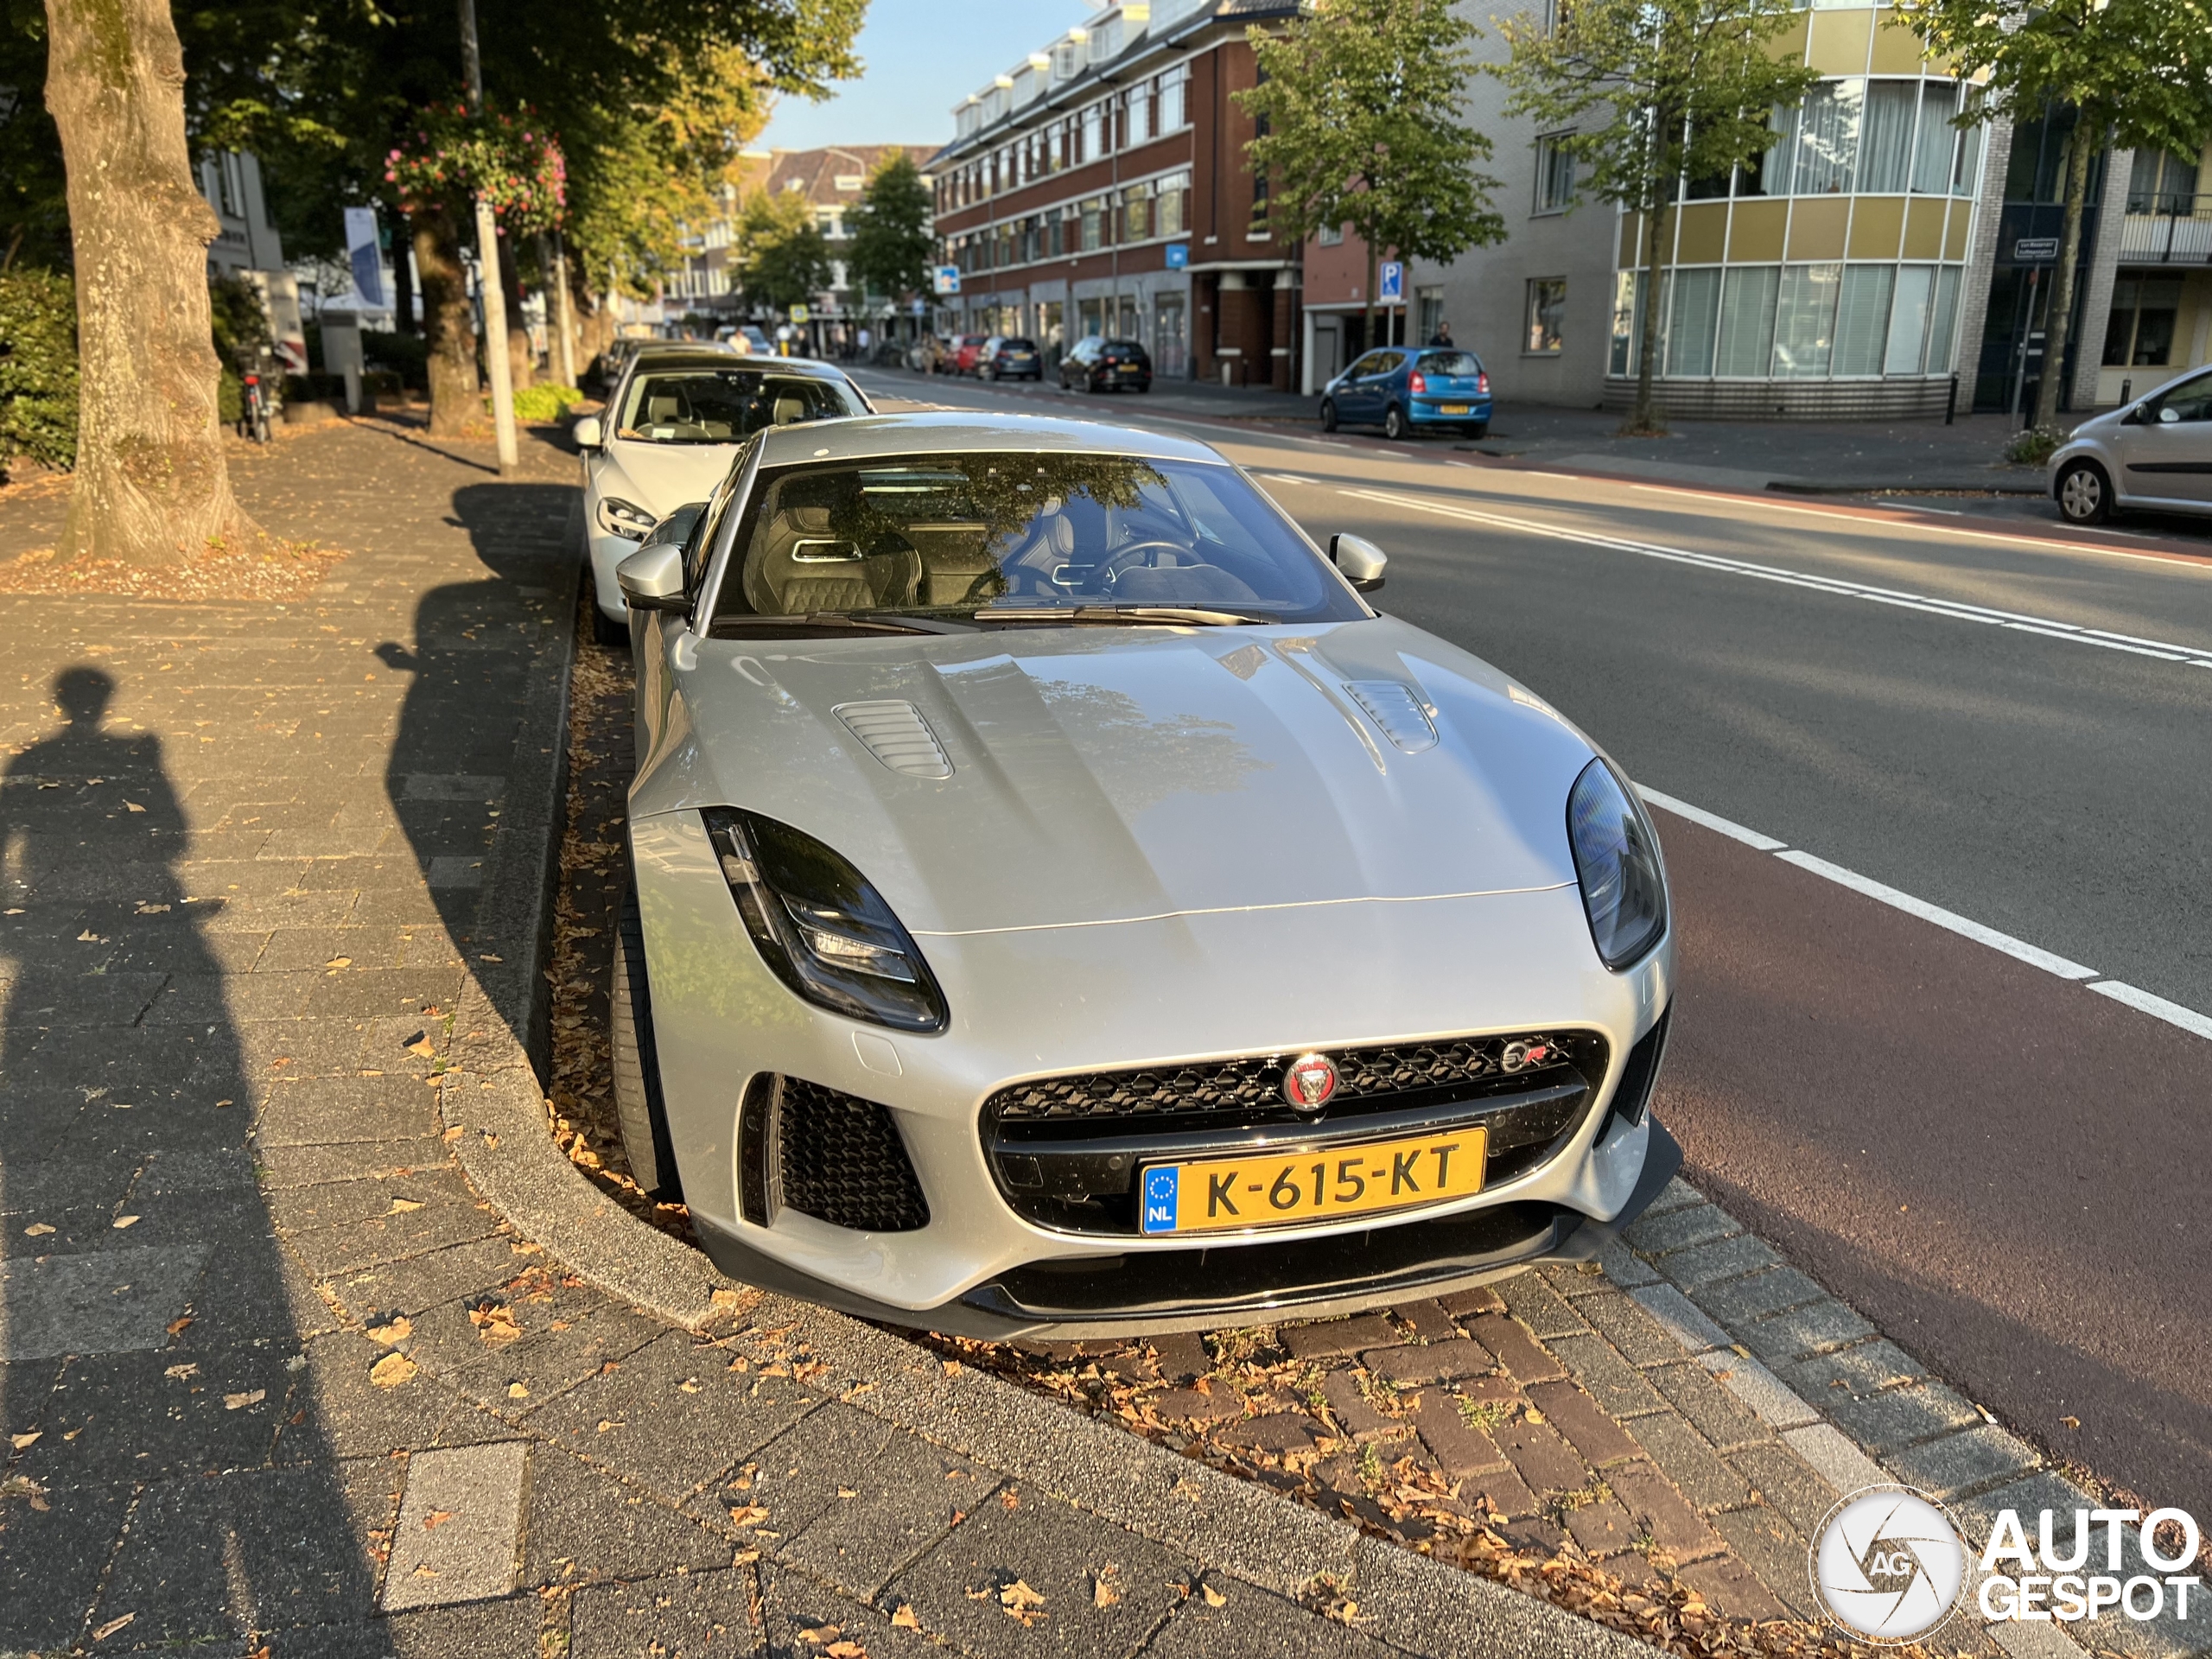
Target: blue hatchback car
{"x": 1407, "y": 389}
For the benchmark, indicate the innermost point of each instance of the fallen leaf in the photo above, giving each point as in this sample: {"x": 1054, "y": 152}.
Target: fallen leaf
{"x": 822, "y": 1634}
{"x": 190, "y": 1368}
{"x": 1213, "y": 1597}
{"x": 111, "y": 1627}
{"x": 420, "y": 1044}
{"x": 689, "y": 1385}
{"x": 392, "y": 1370}
{"x": 847, "y": 1649}
{"x": 340, "y": 961}
{"x": 250, "y": 1397}
{"x": 2071, "y": 1422}
{"x": 121, "y": 1222}
{"x": 487, "y": 957}
{"x": 904, "y": 1619}
{"x": 1535, "y": 1416}
{"x": 397, "y": 1329}
{"x": 19, "y": 1441}
{"x": 1009, "y": 1500}
{"x": 1103, "y": 1594}
{"x": 400, "y": 1207}
{"x": 517, "y": 1391}
{"x": 495, "y": 1323}
{"x": 752, "y": 1515}
{"x": 435, "y": 1519}
{"x": 176, "y": 1325}
{"x": 132, "y": 806}
{"x": 37, "y": 1229}
{"x": 724, "y": 1298}
{"x": 605, "y": 1423}
{"x": 849, "y": 1491}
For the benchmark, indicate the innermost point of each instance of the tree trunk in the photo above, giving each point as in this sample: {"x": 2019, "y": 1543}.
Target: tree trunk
{"x": 1367, "y": 316}
{"x": 448, "y": 330}
{"x": 403, "y": 276}
{"x": 152, "y": 486}
{"x": 522, "y": 361}
{"x": 1649, "y": 419}
{"x": 2060, "y": 314}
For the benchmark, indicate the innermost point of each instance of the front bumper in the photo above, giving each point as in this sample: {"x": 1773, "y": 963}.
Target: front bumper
{"x": 607, "y": 553}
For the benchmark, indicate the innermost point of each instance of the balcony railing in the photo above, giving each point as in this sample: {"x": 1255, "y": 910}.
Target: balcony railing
{"x": 2179, "y": 231}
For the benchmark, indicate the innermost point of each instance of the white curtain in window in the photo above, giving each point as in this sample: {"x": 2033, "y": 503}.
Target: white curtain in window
{"x": 1931, "y": 149}
{"x": 1804, "y": 320}
{"x": 1772, "y": 176}
{"x": 1966, "y": 171}
{"x": 1885, "y": 148}
{"x": 1862, "y": 322}
{"x": 1941, "y": 318}
{"x": 1691, "y": 316}
{"x": 1746, "y": 328}
{"x": 1909, "y": 319}
{"x": 1827, "y": 138}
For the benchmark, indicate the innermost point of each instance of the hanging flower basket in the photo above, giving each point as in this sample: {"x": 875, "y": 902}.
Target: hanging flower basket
{"x": 454, "y": 157}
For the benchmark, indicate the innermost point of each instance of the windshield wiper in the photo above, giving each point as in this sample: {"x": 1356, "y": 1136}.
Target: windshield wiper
{"x": 1082, "y": 613}
{"x": 861, "y": 621}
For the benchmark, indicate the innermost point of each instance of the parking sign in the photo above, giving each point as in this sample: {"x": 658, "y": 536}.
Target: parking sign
{"x": 947, "y": 279}
{"x": 1392, "y": 284}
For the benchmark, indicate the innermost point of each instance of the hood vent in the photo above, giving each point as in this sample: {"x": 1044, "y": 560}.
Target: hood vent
{"x": 896, "y": 734}
{"x": 1394, "y": 708}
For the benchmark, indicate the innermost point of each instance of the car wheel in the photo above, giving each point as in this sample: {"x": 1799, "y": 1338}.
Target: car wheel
{"x": 2084, "y": 493}
{"x": 606, "y": 631}
{"x": 1394, "y": 424}
{"x": 1479, "y": 429}
{"x": 639, "y": 1111}
{"x": 1144, "y": 385}
{"x": 1328, "y": 414}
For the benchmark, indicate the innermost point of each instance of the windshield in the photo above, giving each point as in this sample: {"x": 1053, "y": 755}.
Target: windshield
{"x": 725, "y": 405}
{"x": 964, "y": 536}
{"x": 1451, "y": 363}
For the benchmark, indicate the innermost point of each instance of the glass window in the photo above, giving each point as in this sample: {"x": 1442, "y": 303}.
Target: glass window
{"x": 1094, "y": 127}
{"x": 1330, "y": 236}
{"x": 1909, "y": 320}
{"x": 1094, "y": 221}
{"x": 1862, "y": 322}
{"x": 1693, "y": 316}
{"x": 1966, "y": 169}
{"x": 1136, "y": 212}
{"x": 1169, "y": 209}
{"x": 1554, "y": 174}
{"x": 725, "y": 405}
{"x": 1748, "y": 297}
{"x": 1827, "y": 138}
{"x": 1885, "y": 149}
{"x": 1628, "y": 318}
{"x": 2190, "y": 401}
{"x": 1452, "y": 366}
{"x": 1174, "y": 88}
{"x": 1940, "y": 316}
{"x": 969, "y": 534}
{"x": 2139, "y": 333}
{"x": 1937, "y": 139}
{"x": 1768, "y": 173}
{"x": 2162, "y": 182}
{"x": 1546, "y": 315}
{"x": 1140, "y": 112}
{"x": 1804, "y": 320}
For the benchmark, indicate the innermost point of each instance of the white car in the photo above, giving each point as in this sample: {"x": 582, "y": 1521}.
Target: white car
{"x": 673, "y": 422}
{"x": 2155, "y": 454}
{"x": 1062, "y": 903}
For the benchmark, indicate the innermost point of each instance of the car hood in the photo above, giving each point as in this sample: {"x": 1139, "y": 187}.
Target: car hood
{"x": 1108, "y": 775}
{"x": 662, "y": 477}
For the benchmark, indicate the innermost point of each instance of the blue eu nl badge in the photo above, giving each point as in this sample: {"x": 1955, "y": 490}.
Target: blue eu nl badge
{"x": 1159, "y": 1187}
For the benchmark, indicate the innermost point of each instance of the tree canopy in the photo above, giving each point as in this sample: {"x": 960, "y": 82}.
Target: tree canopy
{"x": 892, "y": 247}
{"x": 785, "y": 258}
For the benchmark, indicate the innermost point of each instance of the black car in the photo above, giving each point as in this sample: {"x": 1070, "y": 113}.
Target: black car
{"x": 1101, "y": 365}
{"x": 1010, "y": 360}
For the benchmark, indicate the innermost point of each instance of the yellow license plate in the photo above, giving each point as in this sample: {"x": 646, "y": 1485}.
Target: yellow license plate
{"x": 1455, "y": 409}
{"x": 1316, "y": 1183}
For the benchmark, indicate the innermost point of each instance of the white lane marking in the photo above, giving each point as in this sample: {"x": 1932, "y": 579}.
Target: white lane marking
{"x": 1286, "y": 478}
{"x": 1929, "y": 604}
{"x": 2034, "y": 956}
{"x": 2156, "y": 1006}
{"x": 1713, "y": 821}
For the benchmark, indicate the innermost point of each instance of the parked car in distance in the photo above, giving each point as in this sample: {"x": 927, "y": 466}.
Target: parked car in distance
{"x": 970, "y": 979}
{"x": 1011, "y": 358}
{"x": 960, "y": 358}
{"x": 1097, "y": 364}
{"x": 666, "y": 437}
{"x": 2155, "y": 454}
{"x": 1409, "y": 389}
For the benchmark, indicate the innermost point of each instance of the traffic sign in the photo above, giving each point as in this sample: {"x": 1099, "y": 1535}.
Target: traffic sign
{"x": 1179, "y": 255}
{"x": 800, "y": 314}
{"x": 947, "y": 279}
{"x": 1391, "y": 285}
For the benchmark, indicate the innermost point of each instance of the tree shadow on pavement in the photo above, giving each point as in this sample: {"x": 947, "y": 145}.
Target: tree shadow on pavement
{"x": 165, "y": 1473}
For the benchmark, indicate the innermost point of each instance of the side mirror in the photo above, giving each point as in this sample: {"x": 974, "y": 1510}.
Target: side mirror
{"x": 588, "y": 433}
{"x": 676, "y": 528}
{"x": 1361, "y": 561}
{"x": 652, "y": 579}
{"x": 2133, "y": 416}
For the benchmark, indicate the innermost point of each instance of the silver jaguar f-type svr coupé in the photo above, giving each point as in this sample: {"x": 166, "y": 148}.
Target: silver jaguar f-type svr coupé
{"x": 1062, "y": 903}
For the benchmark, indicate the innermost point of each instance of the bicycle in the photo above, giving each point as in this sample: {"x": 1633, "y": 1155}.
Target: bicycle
{"x": 253, "y": 414}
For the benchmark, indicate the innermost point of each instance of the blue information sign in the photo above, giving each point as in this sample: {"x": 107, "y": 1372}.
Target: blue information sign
{"x": 1391, "y": 281}
{"x": 1179, "y": 255}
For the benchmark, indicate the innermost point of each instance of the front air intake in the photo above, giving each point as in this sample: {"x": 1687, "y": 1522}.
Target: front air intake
{"x": 827, "y": 1155}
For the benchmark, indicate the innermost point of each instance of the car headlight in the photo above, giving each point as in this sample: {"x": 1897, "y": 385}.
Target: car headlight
{"x": 819, "y": 925}
{"x": 1617, "y": 860}
{"x": 624, "y": 518}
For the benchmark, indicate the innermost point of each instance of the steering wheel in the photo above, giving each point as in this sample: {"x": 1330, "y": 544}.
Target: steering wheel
{"x": 1111, "y": 571}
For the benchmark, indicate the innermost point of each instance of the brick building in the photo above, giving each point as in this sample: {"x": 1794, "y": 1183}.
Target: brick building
{"x": 1100, "y": 188}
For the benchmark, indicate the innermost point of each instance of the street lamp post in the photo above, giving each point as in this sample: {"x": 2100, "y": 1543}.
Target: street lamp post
{"x": 487, "y": 267}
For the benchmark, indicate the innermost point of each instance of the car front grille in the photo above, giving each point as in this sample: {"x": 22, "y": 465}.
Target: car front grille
{"x": 834, "y": 1156}
{"x": 1065, "y": 1151}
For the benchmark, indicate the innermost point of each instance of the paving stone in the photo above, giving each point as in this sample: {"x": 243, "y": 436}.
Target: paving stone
{"x": 582, "y": 1526}
{"x": 1738, "y": 1302}
{"x": 342, "y": 1413}
{"x": 1783, "y": 1480}
{"x": 1464, "y": 1304}
{"x": 1515, "y": 1348}
{"x": 51, "y": 1559}
{"x": 1572, "y": 1279}
{"x": 1709, "y": 1407}
{"x": 1680, "y": 1229}
{"x": 1756, "y": 1387}
{"x": 100, "y": 1301}
{"x": 1539, "y": 1457}
{"x": 497, "y": 1630}
{"x": 708, "y": 1615}
{"x": 1602, "y": 1373}
{"x": 1599, "y": 1438}
{"x": 1661, "y": 1511}
{"x": 422, "y": 1282}
{"x": 1677, "y": 1194}
{"x": 1602, "y": 1527}
{"x": 1337, "y": 1337}
{"x": 1251, "y": 1622}
{"x": 328, "y": 1252}
{"x": 1889, "y": 1422}
{"x": 1624, "y": 1269}
{"x": 799, "y": 1614}
{"x": 1459, "y": 1447}
{"x": 1059, "y": 1553}
{"x": 459, "y": 1528}
{"x": 1730, "y": 1258}
{"x": 1355, "y": 1412}
{"x": 1730, "y": 1588}
{"x": 1182, "y": 1357}
{"x": 1865, "y": 1368}
{"x": 1773, "y": 1549}
{"x": 131, "y": 1418}
{"x": 1181, "y": 1405}
{"x": 2028, "y": 1499}
{"x": 1276, "y": 1432}
{"x": 1414, "y": 1363}
{"x": 1427, "y": 1320}
{"x": 1957, "y": 1462}
{"x": 1639, "y": 1337}
{"x": 1531, "y": 1299}
{"x": 1826, "y": 1323}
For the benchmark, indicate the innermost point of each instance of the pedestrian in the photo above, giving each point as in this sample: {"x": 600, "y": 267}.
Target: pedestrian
{"x": 1442, "y": 336}
{"x": 863, "y": 341}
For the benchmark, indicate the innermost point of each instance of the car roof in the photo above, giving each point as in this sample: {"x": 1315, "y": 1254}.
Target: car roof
{"x": 862, "y": 437}
{"x": 664, "y": 361}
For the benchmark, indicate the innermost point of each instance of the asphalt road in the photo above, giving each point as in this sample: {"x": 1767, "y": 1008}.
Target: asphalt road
{"x": 2001, "y": 1168}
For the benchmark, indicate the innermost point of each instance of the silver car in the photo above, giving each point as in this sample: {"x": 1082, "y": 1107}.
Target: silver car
{"x": 1062, "y": 903}
{"x": 2155, "y": 454}
{"x": 676, "y": 415}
